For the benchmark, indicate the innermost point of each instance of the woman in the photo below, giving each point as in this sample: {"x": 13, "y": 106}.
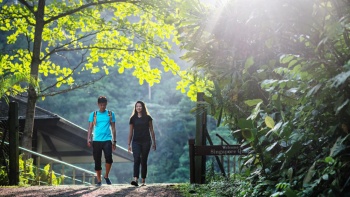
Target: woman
{"x": 140, "y": 133}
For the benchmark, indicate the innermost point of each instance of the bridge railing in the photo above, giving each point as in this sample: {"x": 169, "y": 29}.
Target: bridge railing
{"x": 87, "y": 177}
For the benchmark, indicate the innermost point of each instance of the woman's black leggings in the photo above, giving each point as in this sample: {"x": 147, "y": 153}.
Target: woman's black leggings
{"x": 140, "y": 153}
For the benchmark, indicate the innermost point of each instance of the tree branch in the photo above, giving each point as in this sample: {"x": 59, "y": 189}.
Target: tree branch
{"x": 73, "y": 70}
{"x": 25, "y": 3}
{"x": 82, "y": 8}
{"x": 71, "y": 88}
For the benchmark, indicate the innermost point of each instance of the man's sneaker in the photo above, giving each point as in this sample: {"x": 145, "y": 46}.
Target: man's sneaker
{"x": 108, "y": 181}
{"x": 134, "y": 183}
{"x": 98, "y": 184}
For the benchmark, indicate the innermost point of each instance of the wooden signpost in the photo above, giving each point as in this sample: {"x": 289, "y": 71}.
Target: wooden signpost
{"x": 198, "y": 148}
{"x": 218, "y": 150}
{"x": 209, "y": 150}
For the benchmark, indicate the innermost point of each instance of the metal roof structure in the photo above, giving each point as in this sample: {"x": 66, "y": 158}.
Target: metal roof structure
{"x": 57, "y": 137}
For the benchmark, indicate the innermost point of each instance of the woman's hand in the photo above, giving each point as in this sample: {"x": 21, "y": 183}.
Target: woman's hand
{"x": 154, "y": 147}
{"x": 129, "y": 148}
{"x": 89, "y": 143}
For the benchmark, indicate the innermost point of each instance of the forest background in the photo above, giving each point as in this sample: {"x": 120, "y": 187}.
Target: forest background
{"x": 174, "y": 120}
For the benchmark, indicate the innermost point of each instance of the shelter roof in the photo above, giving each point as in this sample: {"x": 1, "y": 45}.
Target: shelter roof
{"x": 59, "y": 138}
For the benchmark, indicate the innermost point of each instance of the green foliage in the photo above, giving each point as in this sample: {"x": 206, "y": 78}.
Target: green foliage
{"x": 3, "y": 176}
{"x": 10, "y": 80}
{"x": 282, "y": 87}
{"x": 26, "y": 169}
{"x": 87, "y": 37}
{"x": 48, "y": 176}
{"x": 27, "y": 174}
{"x": 219, "y": 186}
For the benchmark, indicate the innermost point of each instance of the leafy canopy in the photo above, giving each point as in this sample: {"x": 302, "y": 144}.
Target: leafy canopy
{"x": 89, "y": 37}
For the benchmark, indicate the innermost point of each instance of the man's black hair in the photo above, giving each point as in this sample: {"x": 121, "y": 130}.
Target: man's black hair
{"x": 102, "y": 99}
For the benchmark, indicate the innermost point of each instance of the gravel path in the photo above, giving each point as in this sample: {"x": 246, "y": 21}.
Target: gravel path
{"x": 80, "y": 190}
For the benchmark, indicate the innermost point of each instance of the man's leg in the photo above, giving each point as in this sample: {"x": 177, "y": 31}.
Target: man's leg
{"x": 98, "y": 176}
{"x": 107, "y": 150}
{"x": 108, "y": 168}
{"x": 97, "y": 154}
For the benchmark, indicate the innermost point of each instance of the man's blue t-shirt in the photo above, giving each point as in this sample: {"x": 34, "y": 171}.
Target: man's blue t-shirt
{"x": 102, "y": 130}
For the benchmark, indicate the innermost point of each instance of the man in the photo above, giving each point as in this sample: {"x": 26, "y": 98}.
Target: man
{"x": 102, "y": 122}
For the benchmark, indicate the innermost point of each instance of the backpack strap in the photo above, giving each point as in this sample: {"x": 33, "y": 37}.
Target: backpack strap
{"x": 110, "y": 116}
{"x": 95, "y": 117}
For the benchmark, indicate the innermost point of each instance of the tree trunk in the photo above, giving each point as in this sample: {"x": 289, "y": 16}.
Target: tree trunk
{"x": 34, "y": 70}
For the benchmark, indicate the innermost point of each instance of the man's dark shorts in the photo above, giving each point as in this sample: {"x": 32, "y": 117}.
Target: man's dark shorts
{"x": 98, "y": 147}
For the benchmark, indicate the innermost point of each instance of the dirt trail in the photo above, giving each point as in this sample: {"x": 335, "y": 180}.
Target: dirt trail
{"x": 152, "y": 190}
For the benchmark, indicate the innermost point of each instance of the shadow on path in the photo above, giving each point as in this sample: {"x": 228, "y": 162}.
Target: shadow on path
{"x": 122, "y": 190}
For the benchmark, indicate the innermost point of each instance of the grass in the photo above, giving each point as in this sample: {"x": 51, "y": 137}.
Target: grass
{"x": 212, "y": 189}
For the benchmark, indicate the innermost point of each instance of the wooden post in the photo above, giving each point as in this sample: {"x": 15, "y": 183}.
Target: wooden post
{"x": 14, "y": 144}
{"x": 200, "y": 161}
{"x": 191, "y": 154}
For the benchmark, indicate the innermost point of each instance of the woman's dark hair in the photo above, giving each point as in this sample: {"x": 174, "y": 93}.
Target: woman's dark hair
{"x": 144, "y": 109}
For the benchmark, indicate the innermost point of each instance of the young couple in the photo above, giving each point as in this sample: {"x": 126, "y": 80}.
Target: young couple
{"x": 104, "y": 139}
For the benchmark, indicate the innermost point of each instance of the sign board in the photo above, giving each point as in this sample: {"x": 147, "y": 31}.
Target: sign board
{"x": 218, "y": 150}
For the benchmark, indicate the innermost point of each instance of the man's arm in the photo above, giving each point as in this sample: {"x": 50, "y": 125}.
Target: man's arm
{"x": 114, "y": 134}
{"x": 91, "y": 126}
